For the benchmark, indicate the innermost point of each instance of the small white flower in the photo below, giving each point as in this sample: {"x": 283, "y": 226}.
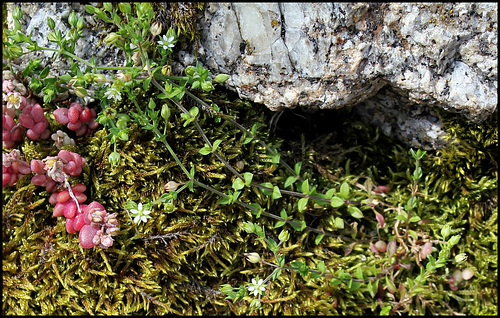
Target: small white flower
{"x": 256, "y": 287}
{"x": 113, "y": 93}
{"x": 167, "y": 42}
{"x": 140, "y": 214}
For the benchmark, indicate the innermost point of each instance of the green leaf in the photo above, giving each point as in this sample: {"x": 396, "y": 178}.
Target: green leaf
{"x": 355, "y": 212}
{"x": 298, "y": 225}
{"x": 216, "y": 145}
{"x": 359, "y": 273}
{"x": 258, "y": 208}
{"x": 108, "y": 6}
{"x": 259, "y": 231}
{"x": 276, "y": 158}
{"x": 221, "y": 78}
{"x": 279, "y": 224}
{"x": 305, "y": 187}
{"x": 297, "y": 167}
{"x": 89, "y": 9}
{"x": 315, "y": 275}
{"x": 329, "y": 194}
{"x": 344, "y": 276}
{"x": 238, "y": 184}
{"x": 281, "y": 260}
{"x": 339, "y": 222}
{"x": 276, "y": 193}
{"x": 344, "y": 191}
{"x": 44, "y": 72}
{"x": 415, "y": 218}
{"x": 413, "y": 234}
{"x": 272, "y": 245}
{"x": 337, "y": 202}
{"x": 318, "y": 238}
{"x": 267, "y": 185}
{"x": 385, "y": 311}
{"x": 283, "y": 214}
{"x": 401, "y": 217}
{"x": 321, "y": 266}
{"x": 352, "y": 285}
{"x": 289, "y": 181}
{"x": 276, "y": 274}
{"x": 335, "y": 281}
{"x": 248, "y": 178}
{"x": 205, "y": 150}
{"x": 302, "y": 204}
{"x": 411, "y": 204}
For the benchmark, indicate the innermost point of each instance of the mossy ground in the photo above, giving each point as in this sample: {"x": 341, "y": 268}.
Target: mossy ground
{"x": 176, "y": 262}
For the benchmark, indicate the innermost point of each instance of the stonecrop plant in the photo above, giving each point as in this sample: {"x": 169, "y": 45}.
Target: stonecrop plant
{"x": 346, "y": 238}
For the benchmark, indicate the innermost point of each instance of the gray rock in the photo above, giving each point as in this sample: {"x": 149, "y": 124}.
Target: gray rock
{"x": 395, "y": 62}
{"x": 326, "y": 55}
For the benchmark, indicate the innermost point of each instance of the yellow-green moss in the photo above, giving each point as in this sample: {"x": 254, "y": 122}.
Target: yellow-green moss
{"x": 176, "y": 262}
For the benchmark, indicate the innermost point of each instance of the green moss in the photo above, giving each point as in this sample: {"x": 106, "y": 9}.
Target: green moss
{"x": 176, "y": 262}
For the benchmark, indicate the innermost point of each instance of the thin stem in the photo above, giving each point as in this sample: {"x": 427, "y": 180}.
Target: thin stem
{"x": 66, "y": 183}
{"x": 279, "y": 218}
{"x": 230, "y": 119}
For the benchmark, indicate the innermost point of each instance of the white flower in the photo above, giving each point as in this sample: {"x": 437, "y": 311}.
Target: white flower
{"x": 140, "y": 214}
{"x": 256, "y": 287}
{"x": 167, "y": 42}
{"x": 113, "y": 93}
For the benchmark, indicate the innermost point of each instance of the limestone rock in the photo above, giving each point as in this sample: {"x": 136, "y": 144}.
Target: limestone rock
{"x": 327, "y": 55}
{"x": 396, "y": 62}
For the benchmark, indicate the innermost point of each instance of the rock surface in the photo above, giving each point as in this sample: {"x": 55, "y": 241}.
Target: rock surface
{"x": 396, "y": 62}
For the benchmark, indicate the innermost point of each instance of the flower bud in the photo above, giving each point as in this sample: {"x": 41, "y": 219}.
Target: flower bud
{"x": 114, "y": 158}
{"x": 255, "y": 304}
{"x": 72, "y": 20}
{"x": 81, "y": 92}
{"x": 226, "y": 288}
{"x": 284, "y": 236}
{"x": 221, "y": 78}
{"x": 99, "y": 79}
{"x": 253, "y": 257}
{"x": 155, "y": 28}
{"x": 171, "y": 186}
{"x": 165, "y": 112}
{"x": 136, "y": 57}
{"x": 114, "y": 38}
{"x": 170, "y": 207}
{"x": 127, "y": 77}
{"x": 106, "y": 241}
{"x": 112, "y": 230}
{"x": 190, "y": 71}
{"x": 445, "y": 231}
{"x": 248, "y": 227}
{"x": 460, "y": 258}
{"x": 207, "y": 86}
{"x": 467, "y": 274}
{"x": 457, "y": 274}
{"x": 80, "y": 23}
{"x": 17, "y": 14}
{"x": 166, "y": 70}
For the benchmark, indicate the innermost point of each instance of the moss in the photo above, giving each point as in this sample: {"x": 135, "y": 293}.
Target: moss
{"x": 176, "y": 262}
